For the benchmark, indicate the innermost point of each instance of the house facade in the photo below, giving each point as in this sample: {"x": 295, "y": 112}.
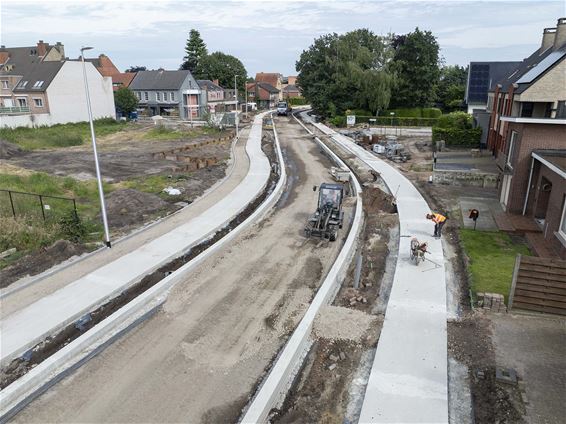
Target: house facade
{"x": 39, "y": 86}
{"x": 264, "y": 95}
{"x": 168, "y": 93}
{"x": 215, "y": 98}
{"x": 528, "y": 115}
{"x": 274, "y": 79}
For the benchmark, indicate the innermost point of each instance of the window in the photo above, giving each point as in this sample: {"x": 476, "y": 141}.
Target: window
{"x": 511, "y": 151}
{"x": 38, "y": 84}
{"x": 562, "y": 228}
{"x": 38, "y": 102}
{"x": 4, "y": 83}
{"x": 561, "y": 110}
{"x": 527, "y": 109}
{"x": 172, "y": 96}
{"x": 22, "y": 102}
{"x": 158, "y": 94}
{"x": 165, "y": 99}
{"x": 22, "y": 84}
{"x": 138, "y": 94}
{"x": 146, "y": 96}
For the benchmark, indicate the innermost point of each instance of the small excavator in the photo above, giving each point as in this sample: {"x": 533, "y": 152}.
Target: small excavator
{"x": 328, "y": 218}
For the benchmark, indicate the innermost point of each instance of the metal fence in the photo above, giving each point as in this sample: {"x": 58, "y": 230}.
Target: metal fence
{"x": 396, "y": 121}
{"x": 18, "y": 204}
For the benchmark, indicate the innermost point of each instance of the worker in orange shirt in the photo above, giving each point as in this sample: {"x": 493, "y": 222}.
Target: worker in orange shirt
{"x": 439, "y": 221}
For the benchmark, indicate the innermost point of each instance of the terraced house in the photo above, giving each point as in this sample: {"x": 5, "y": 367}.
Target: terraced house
{"x": 168, "y": 93}
{"x": 40, "y": 86}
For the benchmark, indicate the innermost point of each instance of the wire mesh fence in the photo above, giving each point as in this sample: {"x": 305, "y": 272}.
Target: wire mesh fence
{"x": 39, "y": 207}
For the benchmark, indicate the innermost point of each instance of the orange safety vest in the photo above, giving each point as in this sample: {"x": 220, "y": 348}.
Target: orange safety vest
{"x": 436, "y": 217}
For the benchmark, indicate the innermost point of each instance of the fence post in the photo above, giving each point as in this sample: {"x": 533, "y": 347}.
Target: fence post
{"x": 75, "y": 208}
{"x": 42, "y": 208}
{"x": 12, "y": 203}
{"x": 514, "y": 281}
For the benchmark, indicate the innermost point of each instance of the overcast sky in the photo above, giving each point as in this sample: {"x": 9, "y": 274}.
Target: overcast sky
{"x": 270, "y": 35}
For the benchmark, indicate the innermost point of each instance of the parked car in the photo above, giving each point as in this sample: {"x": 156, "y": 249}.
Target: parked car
{"x": 283, "y": 109}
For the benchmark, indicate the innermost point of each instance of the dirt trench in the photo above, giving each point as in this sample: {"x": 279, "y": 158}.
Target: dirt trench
{"x": 219, "y": 330}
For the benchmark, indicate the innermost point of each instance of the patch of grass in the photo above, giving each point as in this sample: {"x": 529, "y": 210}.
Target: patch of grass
{"x": 164, "y": 133}
{"x": 60, "y": 135}
{"x": 492, "y": 258}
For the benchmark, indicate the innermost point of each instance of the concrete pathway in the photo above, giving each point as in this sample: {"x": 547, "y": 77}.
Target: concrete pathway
{"x": 27, "y": 327}
{"x": 409, "y": 377}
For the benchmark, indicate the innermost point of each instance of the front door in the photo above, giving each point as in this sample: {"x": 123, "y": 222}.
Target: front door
{"x": 505, "y": 186}
{"x": 543, "y": 199}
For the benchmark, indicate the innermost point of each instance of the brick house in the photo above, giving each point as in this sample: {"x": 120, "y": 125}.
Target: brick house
{"x": 168, "y": 93}
{"x": 106, "y": 67}
{"x": 263, "y": 94}
{"x": 527, "y": 114}
{"x": 272, "y": 78}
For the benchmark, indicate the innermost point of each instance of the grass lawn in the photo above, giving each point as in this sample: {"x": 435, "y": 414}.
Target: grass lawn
{"x": 61, "y": 135}
{"x": 492, "y": 258}
{"x": 163, "y": 133}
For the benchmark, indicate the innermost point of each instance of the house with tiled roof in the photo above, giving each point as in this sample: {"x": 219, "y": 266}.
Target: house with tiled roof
{"x": 527, "y": 115}
{"x": 274, "y": 79}
{"x": 168, "y": 93}
{"x": 40, "y": 86}
{"x": 263, "y": 94}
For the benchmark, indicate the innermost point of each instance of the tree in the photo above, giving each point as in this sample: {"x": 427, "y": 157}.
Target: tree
{"x": 222, "y": 67}
{"x": 136, "y": 69}
{"x": 195, "y": 51}
{"x": 452, "y": 88}
{"x": 125, "y": 100}
{"x": 344, "y": 72}
{"x": 416, "y": 67}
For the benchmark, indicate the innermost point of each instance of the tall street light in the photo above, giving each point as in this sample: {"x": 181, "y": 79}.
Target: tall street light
{"x": 236, "y": 97}
{"x": 98, "y": 177}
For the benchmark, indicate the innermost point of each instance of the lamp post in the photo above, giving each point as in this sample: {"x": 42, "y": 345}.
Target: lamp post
{"x": 98, "y": 177}
{"x": 392, "y": 114}
{"x": 236, "y": 110}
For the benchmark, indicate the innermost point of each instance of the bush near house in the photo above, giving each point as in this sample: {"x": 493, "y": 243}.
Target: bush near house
{"x": 415, "y": 112}
{"x": 456, "y": 129}
{"x": 492, "y": 258}
{"x": 297, "y": 101}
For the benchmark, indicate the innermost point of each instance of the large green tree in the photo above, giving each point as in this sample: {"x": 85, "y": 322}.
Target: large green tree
{"x": 125, "y": 100}
{"x": 222, "y": 67}
{"x": 452, "y": 88}
{"x": 195, "y": 51}
{"x": 416, "y": 67}
{"x": 341, "y": 72}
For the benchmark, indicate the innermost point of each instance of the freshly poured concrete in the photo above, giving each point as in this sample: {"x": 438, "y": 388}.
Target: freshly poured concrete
{"x": 25, "y": 328}
{"x": 409, "y": 377}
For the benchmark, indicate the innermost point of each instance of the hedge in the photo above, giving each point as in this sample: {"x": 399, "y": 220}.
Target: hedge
{"x": 457, "y": 137}
{"x": 297, "y": 101}
{"x": 415, "y": 112}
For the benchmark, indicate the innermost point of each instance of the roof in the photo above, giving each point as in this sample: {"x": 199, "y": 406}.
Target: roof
{"x": 538, "y": 62}
{"x": 42, "y": 71}
{"x": 123, "y": 78}
{"x": 268, "y": 77}
{"x": 554, "y": 159}
{"x": 291, "y": 87}
{"x": 209, "y": 85}
{"x": 159, "y": 80}
{"x": 21, "y": 58}
{"x": 267, "y": 87}
{"x": 482, "y": 77}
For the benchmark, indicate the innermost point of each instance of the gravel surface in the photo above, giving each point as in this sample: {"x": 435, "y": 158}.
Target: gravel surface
{"x": 340, "y": 323}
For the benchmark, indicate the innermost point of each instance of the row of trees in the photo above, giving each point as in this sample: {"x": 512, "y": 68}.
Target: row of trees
{"x": 364, "y": 71}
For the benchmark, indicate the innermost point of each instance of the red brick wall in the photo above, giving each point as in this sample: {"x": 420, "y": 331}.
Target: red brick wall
{"x": 531, "y": 137}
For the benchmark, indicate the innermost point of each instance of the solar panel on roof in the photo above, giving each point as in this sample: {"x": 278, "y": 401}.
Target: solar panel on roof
{"x": 542, "y": 66}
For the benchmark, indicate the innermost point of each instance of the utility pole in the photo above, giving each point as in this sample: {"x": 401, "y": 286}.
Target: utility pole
{"x": 236, "y": 110}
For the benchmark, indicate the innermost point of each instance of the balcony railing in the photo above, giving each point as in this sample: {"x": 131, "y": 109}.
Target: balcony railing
{"x": 14, "y": 110}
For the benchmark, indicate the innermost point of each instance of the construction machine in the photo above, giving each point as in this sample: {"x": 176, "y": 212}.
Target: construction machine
{"x": 328, "y": 218}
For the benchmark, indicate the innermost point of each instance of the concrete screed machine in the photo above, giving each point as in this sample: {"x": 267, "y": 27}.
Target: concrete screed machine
{"x": 328, "y": 218}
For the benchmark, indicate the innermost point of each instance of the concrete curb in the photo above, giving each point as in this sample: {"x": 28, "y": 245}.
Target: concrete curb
{"x": 18, "y": 394}
{"x": 30, "y": 280}
{"x": 274, "y": 388}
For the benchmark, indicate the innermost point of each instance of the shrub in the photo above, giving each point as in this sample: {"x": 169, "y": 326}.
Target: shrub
{"x": 72, "y": 228}
{"x": 457, "y": 136}
{"x": 338, "y": 121}
{"x": 297, "y": 101}
{"x": 459, "y": 120}
{"x": 415, "y": 112}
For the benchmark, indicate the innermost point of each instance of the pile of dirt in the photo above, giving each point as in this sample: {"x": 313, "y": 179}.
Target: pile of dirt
{"x": 40, "y": 261}
{"x": 339, "y": 323}
{"x": 8, "y": 150}
{"x": 128, "y": 207}
{"x": 376, "y": 200}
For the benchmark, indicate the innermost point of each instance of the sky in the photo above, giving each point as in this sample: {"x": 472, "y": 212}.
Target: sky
{"x": 269, "y": 35}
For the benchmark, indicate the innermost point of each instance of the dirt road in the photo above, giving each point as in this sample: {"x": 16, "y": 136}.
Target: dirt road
{"x": 199, "y": 359}
{"x": 36, "y": 291}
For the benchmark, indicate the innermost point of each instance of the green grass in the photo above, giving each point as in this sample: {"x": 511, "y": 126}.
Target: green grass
{"x": 163, "y": 133}
{"x": 60, "y": 135}
{"x": 492, "y": 258}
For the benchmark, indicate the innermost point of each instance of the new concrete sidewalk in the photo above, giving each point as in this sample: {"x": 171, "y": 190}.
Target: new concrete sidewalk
{"x": 24, "y": 329}
{"x": 409, "y": 377}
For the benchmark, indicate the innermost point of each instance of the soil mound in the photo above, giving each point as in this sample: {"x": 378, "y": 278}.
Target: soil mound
{"x": 40, "y": 261}
{"x": 128, "y": 207}
{"x": 8, "y": 150}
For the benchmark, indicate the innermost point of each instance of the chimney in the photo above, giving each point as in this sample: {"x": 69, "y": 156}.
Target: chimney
{"x": 548, "y": 35}
{"x": 215, "y": 82}
{"x": 41, "y": 48}
{"x": 560, "y": 37}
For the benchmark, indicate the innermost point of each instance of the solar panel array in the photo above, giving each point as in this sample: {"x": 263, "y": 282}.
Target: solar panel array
{"x": 478, "y": 83}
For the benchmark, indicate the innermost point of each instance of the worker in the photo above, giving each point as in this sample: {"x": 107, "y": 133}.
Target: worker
{"x": 439, "y": 221}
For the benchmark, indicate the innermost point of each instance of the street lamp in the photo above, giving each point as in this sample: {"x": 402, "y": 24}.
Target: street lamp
{"x": 98, "y": 177}
{"x": 392, "y": 114}
{"x": 236, "y": 110}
